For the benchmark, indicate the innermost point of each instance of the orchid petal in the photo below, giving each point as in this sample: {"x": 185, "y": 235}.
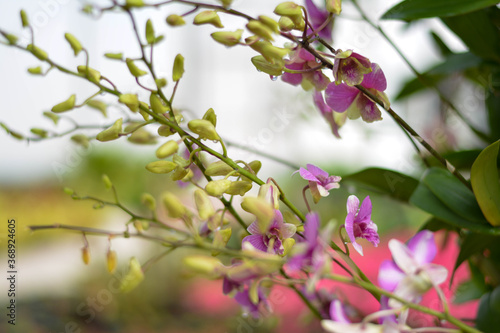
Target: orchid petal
{"x": 323, "y": 191}
{"x": 288, "y": 230}
{"x": 437, "y": 273}
{"x": 337, "y": 312}
{"x": 307, "y": 175}
{"x": 257, "y": 241}
{"x": 423, "y": 247}
{"x": 311, "y": 227}
{"x": 365, "y": 211}
{"x": 376, "y": 79}
{"x": 292, "y": 78}
{"x": 315, "y": 192}
{"x": 340, "y": 97}
{"x": 389, "y": 275}
{"x": 407, "y": 290}
{"x": 352, "y": 204}
{"x": 254, "y": 228}
{"x": 403, "y": 257}
{"x": 317, "y": 171}
{"x": 368, "y": 109}
{"x": 352, "y": 71}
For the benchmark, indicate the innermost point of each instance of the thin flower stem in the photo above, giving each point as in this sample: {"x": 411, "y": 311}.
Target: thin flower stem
{"x": 420, "y": 77}
{"x": 306, "y": 301}
{"x": 305, "y": 198}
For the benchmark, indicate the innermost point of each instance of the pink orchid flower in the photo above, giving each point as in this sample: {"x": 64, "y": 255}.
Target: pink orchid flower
{"x": 358, "y": 223}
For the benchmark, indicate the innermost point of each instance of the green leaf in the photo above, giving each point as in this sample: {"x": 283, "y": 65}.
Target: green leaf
{"x": 397, "y": 185}
{"x": 472, "y": 243}
{"x": 441, "y": 45}
{"x": 485, "y": 183}
{"x": 416, "y": 9}
{"x": 478, "y": 32}
{"x": 453, "y": 63}
{"x": 435, "y": 224}
{"x": 455, "y": 195}
{"x": 468, "y": 291}
{"x": 424, "y": 199}
{"x": 488, "y": 314}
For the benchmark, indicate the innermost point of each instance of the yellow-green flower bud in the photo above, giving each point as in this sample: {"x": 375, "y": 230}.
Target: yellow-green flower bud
{"x": 239, "y": 187}
{"x": 178, "y": 69}
{"x": 216, "y": 188}
{"x": 260, "y": 29}
{"x": 150, "y": 32}
{"x": 179, "y": 173}
{"x": 111, "y": 261}
{"x": 221, "y": 238}
{"x": 168, "y": 148}
{"x": 165, "y": 130}
{"x": 92, "y": 74}
{"x": 161, "y": 166}
{"x": 334, "y": 6}
{"x": 265, "y": 66}
{"x": 86, "y": 255}
{"x": 134, "y": 70}
{"x": 130, "y": 100}
{"x": 208, "y": 17}
{"x": 24, "y": 19}
{"x": 203, "y": 204}
{"x": 204, "y": 265}
{"x": 219, "y": 168}
{"x": 12, "y": 39}
{"x": 114, "y": 56}
{"x": 98, "y": 105}
{"x": 286, "y": 24}
{"x": 157, "y": 105}
{"x": 210, "y": 116}
{"x": 68, "y": 191}
{"x": 107, "y": 182}
{"x": 81, "y": 140}
{"x": 35, "y": 70}
{"x": 39, "y": 132}
{"x": 74, "y": 43}
{"x": 292, "y": 11}
{"x": 67, "y": 105}
{"x": 37, "y": 52}
{"x": 175, "y": 20}
{"x": 111, "y": 133}
{"x": 174, "y": 206}
{"x": 134, "y": 3}
{"x": 204, "y": 128}
{"x": 271, "y": 53}
{"x": 52, "y": 116}
{"x": 149, "y": 201}
{"x": 181, "y": 161}
{"x": 261, "y": 208}
{"x": 288, "y": 243}
{"x": 161, "y": 82}
{"x": 228, "y": 38}
{"x": 255, "y": 166}
{"x": 142, "y": 137}
{"x": 270, "y": 23}
{"x": 134, "y": 275}
{"x": 226, "y": 3}
{"x": 12, "y": 133}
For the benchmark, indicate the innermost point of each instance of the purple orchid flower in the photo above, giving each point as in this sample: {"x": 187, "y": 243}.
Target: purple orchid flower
{"x": 411, "y": 274}
{"x": 350, "y": 67}
{"x": 317, "y": 18}
{"x": 343, "y": 97}
{"x": 328, "y": 114}
{"x": 358, "y": 223}
{"x": 254, "y": 309}
{"x": 320, "y": 182}
{"x": 302, "y": 60}
{"x": 272, "y": 239}
{"x": 313, "y": 254}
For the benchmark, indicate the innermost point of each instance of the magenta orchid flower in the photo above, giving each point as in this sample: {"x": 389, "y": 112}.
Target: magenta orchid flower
{"x": 411, "y": 274}
{"x": 302, "y": 60}
{"x": 320, "y": 182}
{"x": 317, "y": 18}
{"x": 334, "y": 119}
{"x": 254, "y": 309}
{"x": 358, "y": 223}
{"x": 343, "y": 97}
{"x": 271, "y": 240}
{"x": 350, "y": 67}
